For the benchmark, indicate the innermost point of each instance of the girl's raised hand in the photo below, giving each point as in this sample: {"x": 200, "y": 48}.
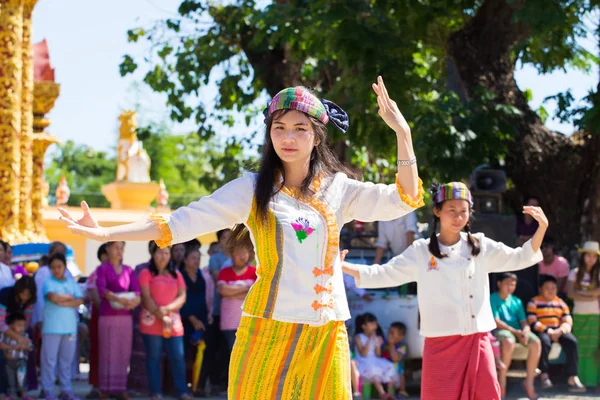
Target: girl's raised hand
{"x": 85, "y": 226}
{"x": 388, "y": 109}
{"x": 538, "y": 214}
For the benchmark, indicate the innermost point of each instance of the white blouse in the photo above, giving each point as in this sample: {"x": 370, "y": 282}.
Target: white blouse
{"x": 299, "y": 270}
{"x": 453, "y": 291}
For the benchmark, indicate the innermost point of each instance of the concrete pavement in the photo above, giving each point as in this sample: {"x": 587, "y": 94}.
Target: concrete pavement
{"x": 81, "y": 389}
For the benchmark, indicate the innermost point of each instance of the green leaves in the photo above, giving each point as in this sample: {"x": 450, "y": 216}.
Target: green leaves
{"x": 133, "y": 35}
{"x": 86, "y": 171}
{"x": 127, "y": 66}
{"x": 250, "y": 49}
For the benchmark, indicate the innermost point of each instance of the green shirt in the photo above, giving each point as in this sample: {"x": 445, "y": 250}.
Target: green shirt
{"x": 509, "y": 310}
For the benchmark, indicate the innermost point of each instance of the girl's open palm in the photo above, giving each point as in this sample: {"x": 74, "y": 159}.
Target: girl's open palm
{"x": 85, "y": 226}
{"x": 388, "y": 109}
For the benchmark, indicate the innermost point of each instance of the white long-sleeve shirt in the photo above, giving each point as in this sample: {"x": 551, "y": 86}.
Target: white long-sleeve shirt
{"x": 453, "y": 291}
{"x": 299, "y": 268}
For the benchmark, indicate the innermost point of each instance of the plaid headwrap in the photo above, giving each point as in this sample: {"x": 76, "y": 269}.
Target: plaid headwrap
{"x": 300, "y": 99}
{"x": 451, "y": 191}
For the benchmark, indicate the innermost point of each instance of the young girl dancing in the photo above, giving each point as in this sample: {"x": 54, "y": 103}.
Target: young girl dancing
{"x": 451, "y": 269}
{"x": 292, "y": 340}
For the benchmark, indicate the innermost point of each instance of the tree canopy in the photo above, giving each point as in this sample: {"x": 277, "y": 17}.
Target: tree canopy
{"x": 449, "y": 65}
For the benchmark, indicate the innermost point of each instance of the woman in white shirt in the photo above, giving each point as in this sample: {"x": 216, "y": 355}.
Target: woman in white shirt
{"x": 451, "y": 270}
{"x": 583, "y": 286}
{"x": 292, "y": 340}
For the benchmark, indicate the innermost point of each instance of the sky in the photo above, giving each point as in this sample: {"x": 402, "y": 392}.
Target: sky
{"x": 87, "y": 40}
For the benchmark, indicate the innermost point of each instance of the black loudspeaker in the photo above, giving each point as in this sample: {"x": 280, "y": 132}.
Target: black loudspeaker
{"x": 487, "y": 203}
{"x": 487, "y": 186}
{"x": 488, "y": 180}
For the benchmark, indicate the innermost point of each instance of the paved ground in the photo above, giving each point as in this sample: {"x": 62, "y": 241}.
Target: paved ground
{"x": 515, "y": 392}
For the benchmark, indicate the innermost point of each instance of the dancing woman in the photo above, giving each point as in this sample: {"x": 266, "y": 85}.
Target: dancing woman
{"x": 292, "y": 341}
{"x": 451, "y": 269}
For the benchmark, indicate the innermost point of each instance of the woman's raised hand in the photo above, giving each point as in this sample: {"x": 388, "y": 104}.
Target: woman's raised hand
{"x": 388, "y": 109}
{"x": 86, "y": 226}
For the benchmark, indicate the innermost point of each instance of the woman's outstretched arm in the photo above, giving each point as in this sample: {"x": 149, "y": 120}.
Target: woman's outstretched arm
{"x": 229, "y": 205}
{"x": 87, "y": 226}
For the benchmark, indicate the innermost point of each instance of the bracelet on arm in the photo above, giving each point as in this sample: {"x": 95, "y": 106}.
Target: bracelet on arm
{"x": 403, "y": 163}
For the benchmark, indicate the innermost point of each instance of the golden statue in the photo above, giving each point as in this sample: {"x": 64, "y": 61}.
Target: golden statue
{"x": 133, "y": 189}
{"x": 62, "y": 192}
{"x": 162, "y": 200}
{"x": 133, "y": 162}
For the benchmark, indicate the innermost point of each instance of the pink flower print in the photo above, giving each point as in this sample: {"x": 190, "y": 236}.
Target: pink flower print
{"x": 302, "y": 228}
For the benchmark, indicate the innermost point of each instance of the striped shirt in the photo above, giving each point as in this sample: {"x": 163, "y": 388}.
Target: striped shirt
{"x": 543, "y": 315}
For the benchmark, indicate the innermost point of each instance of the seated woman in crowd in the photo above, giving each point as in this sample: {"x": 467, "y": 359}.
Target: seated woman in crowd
{"x": 550, "y": 319}
{"x": 583, "y": 286}
{"x": 163, "y": 294}
{"x": 512, "y": 328}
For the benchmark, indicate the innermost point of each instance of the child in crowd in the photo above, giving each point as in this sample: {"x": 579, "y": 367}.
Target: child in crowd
{"x": 371, "y": 365}
{"x": 62, "y": 295}
{"x": 15, "y": 355}
{"x": 396, "y": 351}
{"x": 550, "y": 319}
{"x": 512, "y": 328}
{"x": 233, "y": 283}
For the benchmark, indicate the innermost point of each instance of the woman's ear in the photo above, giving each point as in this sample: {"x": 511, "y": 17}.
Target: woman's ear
{"x": 436, "y": 211}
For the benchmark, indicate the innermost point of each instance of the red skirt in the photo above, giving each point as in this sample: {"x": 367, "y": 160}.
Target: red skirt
{"x": 459, "y": 368}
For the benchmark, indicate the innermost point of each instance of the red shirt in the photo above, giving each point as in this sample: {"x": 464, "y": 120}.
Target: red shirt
{"x": 231, "y": 309}
{"x": 163, "y": 290}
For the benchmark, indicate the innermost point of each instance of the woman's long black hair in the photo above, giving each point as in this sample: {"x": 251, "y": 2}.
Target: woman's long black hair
{"x": 154, "y": 269}
{"x": 434, "y": 245}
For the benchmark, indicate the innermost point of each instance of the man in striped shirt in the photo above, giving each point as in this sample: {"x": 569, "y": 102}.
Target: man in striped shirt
{"x": 550, "y": 318}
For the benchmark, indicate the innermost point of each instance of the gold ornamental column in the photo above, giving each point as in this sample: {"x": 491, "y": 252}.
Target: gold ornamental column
{"x": 11, "y": 62}
{"x": 26, "y": 171}
{"x": 44, "y": 96}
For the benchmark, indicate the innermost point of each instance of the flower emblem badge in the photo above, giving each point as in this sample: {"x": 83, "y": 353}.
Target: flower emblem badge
{"x": 302, "y": 228}
{"x": 433, "y": 266}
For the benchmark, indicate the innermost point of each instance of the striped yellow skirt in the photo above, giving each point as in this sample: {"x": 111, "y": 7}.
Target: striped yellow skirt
{"x": 284, "y": 361}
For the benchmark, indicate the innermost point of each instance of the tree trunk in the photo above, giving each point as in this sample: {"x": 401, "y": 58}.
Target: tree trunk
{"x": 562, "y": 172}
